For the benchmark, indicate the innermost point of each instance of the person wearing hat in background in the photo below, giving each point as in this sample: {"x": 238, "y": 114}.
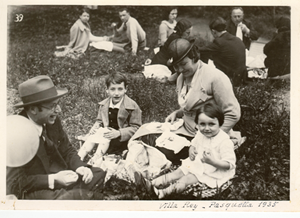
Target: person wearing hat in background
{"x": 183, "y": 30}
{"x": 198, "y": 84}
{"x": 240, "y": 27}
{"x": 56, "y": 171}
{"x": 278, "y": 50}
{"x": 226, "y": 51}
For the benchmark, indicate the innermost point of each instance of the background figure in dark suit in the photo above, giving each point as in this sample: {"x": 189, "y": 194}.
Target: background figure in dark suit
{"x": 278, "y": 50}
{"x": 241, "y": 28}
{"x": 227, "y": 52}
{"x": 56, "y": 171}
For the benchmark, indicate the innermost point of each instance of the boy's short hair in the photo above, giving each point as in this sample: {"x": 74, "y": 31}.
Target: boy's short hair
{"x": 218, "y": 24}
{"x": 115, "y": 78}
{"x": 124, "y": 9}
{"x": 212, "y": 111}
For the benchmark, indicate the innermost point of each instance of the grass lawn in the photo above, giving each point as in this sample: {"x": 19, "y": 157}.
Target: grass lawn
{"x": 263, "y": 161}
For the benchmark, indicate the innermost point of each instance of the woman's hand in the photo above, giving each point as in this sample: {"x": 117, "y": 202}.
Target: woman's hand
{"x": 192, "y": 153}
{"x": 172, "y": 117}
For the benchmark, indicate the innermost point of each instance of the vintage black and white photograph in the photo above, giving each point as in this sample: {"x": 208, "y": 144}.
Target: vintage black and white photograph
{"x": 174, "y": 104}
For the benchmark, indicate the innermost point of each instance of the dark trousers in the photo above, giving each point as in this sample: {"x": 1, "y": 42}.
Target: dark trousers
{"x": 78, "y": 191}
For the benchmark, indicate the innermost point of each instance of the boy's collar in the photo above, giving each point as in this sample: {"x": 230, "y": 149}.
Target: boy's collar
{"x": 126, "y": 101}
{"x": 113, "y": 106}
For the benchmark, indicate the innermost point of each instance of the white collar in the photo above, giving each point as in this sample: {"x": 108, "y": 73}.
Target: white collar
{"x": 37, "y": 126}
{"x": 113, "y": 106}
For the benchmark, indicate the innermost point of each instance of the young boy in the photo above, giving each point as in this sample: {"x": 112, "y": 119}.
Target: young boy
{"x": 118, "y": 114}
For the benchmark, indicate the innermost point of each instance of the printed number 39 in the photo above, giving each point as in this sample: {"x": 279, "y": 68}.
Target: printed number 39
{"x": 19, "y": 17}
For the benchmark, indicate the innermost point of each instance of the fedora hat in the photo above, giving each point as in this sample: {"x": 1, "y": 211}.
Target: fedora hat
{"x": 38, "y": 89}
{"x": 178, "y": 49}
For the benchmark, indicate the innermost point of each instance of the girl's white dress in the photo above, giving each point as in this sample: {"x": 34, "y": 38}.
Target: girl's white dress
{"x": 222, "y": 148}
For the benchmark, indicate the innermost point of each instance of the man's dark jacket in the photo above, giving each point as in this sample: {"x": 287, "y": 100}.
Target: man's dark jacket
{"x": 231, "y": 28}
{"x": 34, "y": 175}
{"x": 228, "y": 54}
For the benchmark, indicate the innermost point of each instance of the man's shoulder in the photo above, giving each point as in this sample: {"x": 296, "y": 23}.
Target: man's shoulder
{"x": 132, "y": 21}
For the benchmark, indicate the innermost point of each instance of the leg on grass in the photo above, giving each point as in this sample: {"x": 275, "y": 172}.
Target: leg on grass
{"x": 85, "y": 149}
{"x": 167, "y": 178}
{"x": 177, "y": 187}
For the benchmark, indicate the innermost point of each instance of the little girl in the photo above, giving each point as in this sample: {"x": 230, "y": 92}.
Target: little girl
{"x": 211, "y": 156}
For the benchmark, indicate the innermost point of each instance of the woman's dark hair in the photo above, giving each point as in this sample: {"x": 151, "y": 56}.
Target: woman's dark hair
{"x": 167, "y": 11}
{"x": 218, "y": 24}
{"x": 115, "y": 78}
{"x": 182, "y": 26}
{"x": 82, "y": 10}
{"x": 194, "y": 54}
{"x": 212, "y": 111}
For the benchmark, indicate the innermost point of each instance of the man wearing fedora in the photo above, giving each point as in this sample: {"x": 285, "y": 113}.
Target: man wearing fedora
{"x": 56, "y": 171}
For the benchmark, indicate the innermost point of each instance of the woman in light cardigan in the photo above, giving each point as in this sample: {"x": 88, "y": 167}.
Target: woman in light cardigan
{"x": 166, "y": 28}
{"x": 197, "y": 84}
{"x": 80, "y": 34}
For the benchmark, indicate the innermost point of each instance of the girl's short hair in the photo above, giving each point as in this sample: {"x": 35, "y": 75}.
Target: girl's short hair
{"x": 212, "y": 111}
{"x": 166, "y": 12}
{"x": 115, "y": 78}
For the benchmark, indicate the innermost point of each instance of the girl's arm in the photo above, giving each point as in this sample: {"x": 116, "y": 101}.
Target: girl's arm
{"x": 227, "y": 159}
{"x": 219, "y": 164}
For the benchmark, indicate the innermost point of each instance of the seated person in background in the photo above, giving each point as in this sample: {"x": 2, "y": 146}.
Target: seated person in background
{"x": 133, "y": 30}
{"x": 166, "y": 28}
{"x": 120, "y": 114}
{"x": 56, "y": 171}
{"x": 211, "y": 157}
{"x": 241, "y": 28}
{"x": 183, "y": 30}
{"x": 278, "y": 50}
{"x": 80, "y": 37}
{"x": 227, "y": 51}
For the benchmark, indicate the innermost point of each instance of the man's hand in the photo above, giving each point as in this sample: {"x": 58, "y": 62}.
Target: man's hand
{"x": 66, "y": 177}
{"x": 113, "y": 25}
{"x": 192, "y": 153}
{"x": 133, "y": 51}
{"x": 86, "y": 173}
{"x": 113, "y": 134}
{"x": 244, "y": 28}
